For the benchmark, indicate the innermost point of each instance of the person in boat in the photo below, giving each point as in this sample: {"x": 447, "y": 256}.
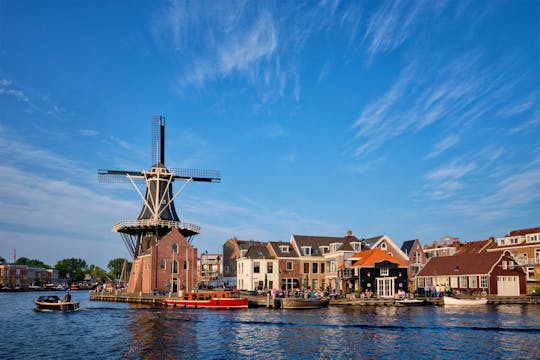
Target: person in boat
{"x": 67, "y": 297}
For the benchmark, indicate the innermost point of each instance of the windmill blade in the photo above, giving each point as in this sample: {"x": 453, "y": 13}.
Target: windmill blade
{"x": 202, "y": 175}
{"x": 118, "y": 176}
{"x": 158, "y": 140}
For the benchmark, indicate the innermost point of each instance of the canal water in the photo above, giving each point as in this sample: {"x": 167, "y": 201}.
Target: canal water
{"x": 105, "y": 330}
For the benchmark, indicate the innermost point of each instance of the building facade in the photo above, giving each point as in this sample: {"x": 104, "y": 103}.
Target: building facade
{"x": 258, "y": 269}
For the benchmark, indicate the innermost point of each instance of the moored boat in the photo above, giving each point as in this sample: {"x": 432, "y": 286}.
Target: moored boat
{"x": 452, "y": 301}
{"x": 53, "y": 303}
{"x": 301, "y": 303}
{"x": 209, "y": 300}
{"x": 411, "y": 302}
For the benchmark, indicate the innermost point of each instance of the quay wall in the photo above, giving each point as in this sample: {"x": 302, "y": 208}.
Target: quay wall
{"x": 264, "y": 301}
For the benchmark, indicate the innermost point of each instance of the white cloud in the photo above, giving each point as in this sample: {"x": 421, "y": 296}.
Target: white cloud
{"x": 443, "y": 145}
{"x": 88, "y": 132}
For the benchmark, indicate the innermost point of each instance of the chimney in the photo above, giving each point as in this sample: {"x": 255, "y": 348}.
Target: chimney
{"x": 349, "y": 232}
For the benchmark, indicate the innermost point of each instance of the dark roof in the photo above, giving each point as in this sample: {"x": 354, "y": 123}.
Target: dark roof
{"x": 315, "y": 242}
{"x": 407, "y": 246}
{"x": 245, "y": 244}
{"x": 371, "y": 241}
{"x": 258, "y": 251}
{"x": 465, "y": 264}
{"x": 275, "y": 246}
{"x": 524, "y": 231}
{"x": 473, "y": 247}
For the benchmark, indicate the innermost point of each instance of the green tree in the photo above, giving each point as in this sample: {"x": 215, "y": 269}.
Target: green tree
{"x": 97, "y": 272}
{"x": 115, "y": 268}
{"x": 72, "y": 268}
{"x": 32, "y": 262}
{"x": 2, "y": 260}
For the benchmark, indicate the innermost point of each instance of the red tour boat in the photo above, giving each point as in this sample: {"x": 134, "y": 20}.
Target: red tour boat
{"x": 210, "y": 300}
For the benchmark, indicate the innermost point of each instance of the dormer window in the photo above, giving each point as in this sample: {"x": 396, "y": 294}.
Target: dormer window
{"x": 335, "y": 247}
{"x": 324, "y": 249}
{"x": 284, "y": 248}
{"x": 356, "y": 246}
{"x": 306, "y": 250}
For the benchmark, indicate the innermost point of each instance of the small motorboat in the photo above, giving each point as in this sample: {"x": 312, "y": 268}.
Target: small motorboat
{"x": 452, "y": 301}
{"x": 301, "y": 303}
{"x": 53, "y": 303}
{"x": 411, "y": 302}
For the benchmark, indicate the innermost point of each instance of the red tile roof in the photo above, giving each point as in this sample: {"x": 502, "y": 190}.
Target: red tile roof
{"x": 473, "y": 247}
{"x": 524, "y": 231}
{"x": 465, "y": 264}
{"x": 369, "y": 258}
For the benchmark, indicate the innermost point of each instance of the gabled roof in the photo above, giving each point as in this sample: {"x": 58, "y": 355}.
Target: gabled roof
{"x": 245, "y": 244}
{"x": 524, "y": 231}
{"x": 474, "y": 247}
{"x": 316, "y": 242}
{"x": 373, "y": 240}
{"x": 369, "y": 258}
{"x": 407, "y": 246}
{"x": 464, "y": 264}
{"x": 280, "y": 254}
{"x": 258, "y": 251}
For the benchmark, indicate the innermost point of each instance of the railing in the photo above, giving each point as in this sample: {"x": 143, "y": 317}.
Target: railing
{"x": 523, "y": 262}
{"x": 156, "y": 223}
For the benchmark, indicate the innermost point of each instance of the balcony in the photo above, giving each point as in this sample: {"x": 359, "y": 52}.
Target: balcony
{"x": 528, "y": 262}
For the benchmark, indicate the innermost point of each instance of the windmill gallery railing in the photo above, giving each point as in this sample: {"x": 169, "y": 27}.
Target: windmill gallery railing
{"x": 151, "y": 223}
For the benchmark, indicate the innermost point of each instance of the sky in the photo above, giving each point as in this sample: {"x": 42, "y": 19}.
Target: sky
{"x": 414, "y": 119}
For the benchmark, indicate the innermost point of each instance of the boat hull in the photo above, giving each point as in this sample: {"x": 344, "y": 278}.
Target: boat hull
{"x": 411, "y": 302}
{"x": 221, "y": 303}
{"x": 299, "y": 303}
{"x": 450, "y": 301}
{"x": 60, "y": 306}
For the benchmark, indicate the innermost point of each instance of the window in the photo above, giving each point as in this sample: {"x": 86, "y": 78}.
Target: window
{"x": 453, "y": 281}
{"x": 504, "y": 265}
{"x": 256, "y": 267}
{"x": 484, "y": 281}
{"x": 383, "y": 246}
{"x": 306, "y": 250}
{"x": 334, "y": 246}
{"x": 530, "y": 273}
{"x": 162, "y": 265}
{"x": 315, "y": 268}
{"x": 269, "y": 268}
{"x": 306, "y": 268}
{"x": 174, "y": 248}
{"x": 417, "y": 258}
{"x": 324, "y": 249}
{"x": 322, "y": 268}
{"x": 288, "y": 265}
{"x": 175, "y": 267}
{"x": 473, "y": 282}
{"x": 185, "y": 265}
{"x": 357, "y": 246}
{"x": 243, "y": 253}
{"x": 463, "y": 282}
{"x": 284, "y": 248}
{"x": 501, "y": 242}
{"x": 384, "y": 271}
{"x": 420, "y": 282}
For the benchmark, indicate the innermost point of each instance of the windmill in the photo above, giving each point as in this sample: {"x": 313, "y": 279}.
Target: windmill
{"x": 158, "y": 215}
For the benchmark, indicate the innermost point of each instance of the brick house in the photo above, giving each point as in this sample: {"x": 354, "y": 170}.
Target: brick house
{"x": 288, "y": 264}
{"x": 416, "y": 260}
{"x": 493, "y": 273}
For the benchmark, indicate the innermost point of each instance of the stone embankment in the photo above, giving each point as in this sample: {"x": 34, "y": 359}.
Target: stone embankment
{"x": 268, "y": 301}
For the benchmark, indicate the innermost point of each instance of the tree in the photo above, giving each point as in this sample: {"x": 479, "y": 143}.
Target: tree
{"x": 115, "y": 268}
{"x": 97, "y": 272}
{"x": 2, "y": 260}
{"x": 32, "y": 262}
{"x": 72, "y": 268}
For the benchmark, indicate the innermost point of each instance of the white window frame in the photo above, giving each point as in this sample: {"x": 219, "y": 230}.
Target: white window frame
{"x": 385, "y": 271}
{"x": 484, "y": 281}
{"x": 287, "y": 267}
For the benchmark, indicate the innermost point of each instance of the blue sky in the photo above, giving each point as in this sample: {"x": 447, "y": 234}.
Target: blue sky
{"x": 415, "y": 119}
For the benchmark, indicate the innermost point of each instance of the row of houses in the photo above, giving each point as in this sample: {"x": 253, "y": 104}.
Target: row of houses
{"x": 505, "y": 266}
{"x": 14, "y": 276}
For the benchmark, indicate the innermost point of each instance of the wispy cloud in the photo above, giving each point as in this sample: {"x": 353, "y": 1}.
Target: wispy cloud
{"x": 445, "y": 181}
{"x": 392, "y": 25}
{"x": 88, "y": 132}
{"x": 455, "y": 94}
{"x": 443, "y": 145}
